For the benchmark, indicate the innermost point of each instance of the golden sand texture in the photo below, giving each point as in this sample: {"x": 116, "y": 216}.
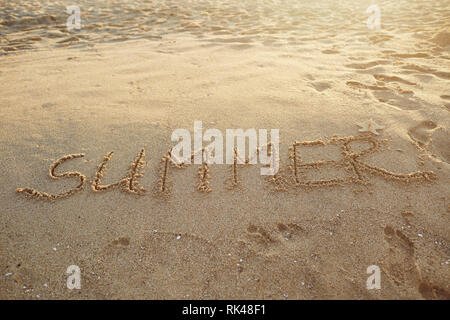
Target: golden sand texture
{"x": 138, "y": 70}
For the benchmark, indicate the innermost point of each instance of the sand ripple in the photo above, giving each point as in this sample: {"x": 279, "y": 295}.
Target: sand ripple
{"x": 26, "y": 24}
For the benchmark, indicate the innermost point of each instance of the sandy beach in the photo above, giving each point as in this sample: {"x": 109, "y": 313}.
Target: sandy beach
{"x": 348, "y": 194}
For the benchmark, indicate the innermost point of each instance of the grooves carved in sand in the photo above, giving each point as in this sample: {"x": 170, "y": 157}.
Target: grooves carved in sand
{"x": 32, "y": 193}
{"x": 350, "y": 161}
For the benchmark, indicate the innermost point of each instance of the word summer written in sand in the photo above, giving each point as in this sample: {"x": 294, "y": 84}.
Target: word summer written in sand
{"x": 357, "y": 170}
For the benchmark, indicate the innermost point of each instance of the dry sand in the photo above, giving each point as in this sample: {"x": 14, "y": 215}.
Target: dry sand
{"x": 309, "y": 68}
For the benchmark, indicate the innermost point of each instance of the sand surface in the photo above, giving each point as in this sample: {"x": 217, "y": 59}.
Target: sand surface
{"x": 137, "y": 70}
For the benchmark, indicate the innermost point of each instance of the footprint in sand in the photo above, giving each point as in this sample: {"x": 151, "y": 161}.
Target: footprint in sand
{"x": 439, "y": 144}
{"x": 421, "y": 133}
{"x": 401, "y": 267}
{"x": 259, "y": 234}
{"x": 433, "y": 292}
{"x": 269, "y": 241}
{"x": 321, "y": 85}
{"x": 398, "y": 98}
{"x": 430, "y": 137}
{"x": 121, "y": 242}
